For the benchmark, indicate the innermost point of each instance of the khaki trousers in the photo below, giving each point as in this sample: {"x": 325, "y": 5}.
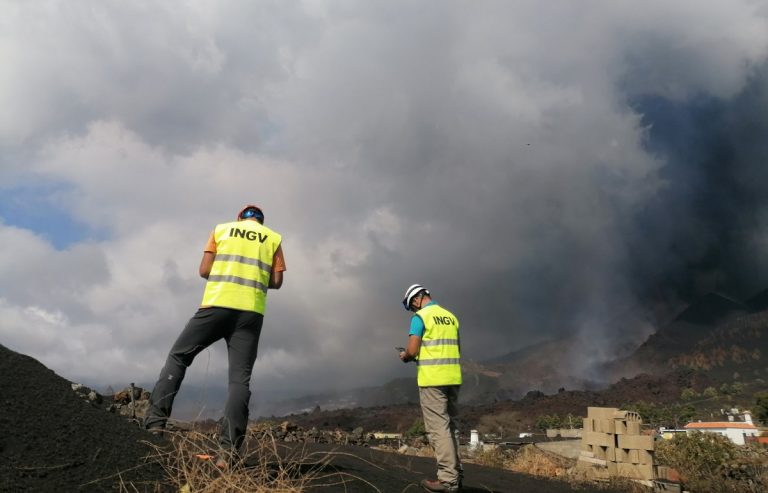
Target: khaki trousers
{"x": 440, "y": 411}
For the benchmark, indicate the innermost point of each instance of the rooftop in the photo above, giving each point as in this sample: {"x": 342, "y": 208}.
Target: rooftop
{"x": 721, "y": 424}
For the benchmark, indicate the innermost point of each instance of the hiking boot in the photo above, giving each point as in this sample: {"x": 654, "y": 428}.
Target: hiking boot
{"x": 219, "y": 461}
{"x": 153, "y": 425}
{"x": 438, "y": 487}
{"x": 222, "y": 463}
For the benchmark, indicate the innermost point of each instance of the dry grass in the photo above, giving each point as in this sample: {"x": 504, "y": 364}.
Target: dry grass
{"x": 495, "y": 457}
{"x": 534, "y": 461}
{"x": 624, "y": 484}
{"x": 261, "y": 469}
{"x": 264, "y": 466}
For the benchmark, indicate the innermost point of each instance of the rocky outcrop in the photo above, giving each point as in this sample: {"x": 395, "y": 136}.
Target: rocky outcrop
{"x": 87, "y": 394}
{"x": 291, "y": 432}
{"x": 131, "y": 402}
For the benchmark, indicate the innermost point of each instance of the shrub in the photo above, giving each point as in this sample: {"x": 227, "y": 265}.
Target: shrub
{"x": 688, "y": 394}
{"x": 710, "y": 392}
{"x": 416, "y": 430}
{"x": 495, "y": 457}
{"x": 657, "y": 415}
{"x": 761, "y": 407}
{"x": 547, "y": 421}
{"x": 711, "y": 462}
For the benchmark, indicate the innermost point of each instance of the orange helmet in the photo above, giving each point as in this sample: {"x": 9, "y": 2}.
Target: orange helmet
{"x": 251, "y": 211}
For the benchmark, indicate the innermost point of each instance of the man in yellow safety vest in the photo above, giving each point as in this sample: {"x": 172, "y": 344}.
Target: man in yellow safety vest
{"x": 433, "y": 342}
{"x": 242, "y": 260}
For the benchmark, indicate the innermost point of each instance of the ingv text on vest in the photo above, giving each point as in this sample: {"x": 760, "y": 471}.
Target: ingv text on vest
{"x": 248, "y": 235}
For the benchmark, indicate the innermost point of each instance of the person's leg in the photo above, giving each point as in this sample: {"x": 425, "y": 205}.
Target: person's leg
{"x": 242, "y": 346}
{"x": 202, "y": 330}
{"x": 452, "y": 393}
{"x": 434, "y": 407}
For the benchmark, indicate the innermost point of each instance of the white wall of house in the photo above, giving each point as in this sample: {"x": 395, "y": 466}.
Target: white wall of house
{"x": 736, "y": 435}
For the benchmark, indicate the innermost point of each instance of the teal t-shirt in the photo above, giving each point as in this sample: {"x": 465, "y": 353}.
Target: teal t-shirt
{"x": 417, "y": 324}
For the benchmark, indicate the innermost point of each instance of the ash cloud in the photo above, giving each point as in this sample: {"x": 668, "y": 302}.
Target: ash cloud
{"x": 711, "y": 215}
{"x": 548, "y": 170}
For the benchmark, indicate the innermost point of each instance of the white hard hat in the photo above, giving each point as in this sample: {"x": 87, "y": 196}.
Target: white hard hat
{"x": 411, "y": 292}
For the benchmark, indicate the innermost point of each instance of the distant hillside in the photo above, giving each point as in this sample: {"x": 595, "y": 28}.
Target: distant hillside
{"x": 715, "y": 335}
{"x": 709, "y": 310}
{"x": 398, "y": 391}
{"x": 480, "y": 385}
{"x": 573, "y": 362}
{"x": 737, "y": 349}
{"x": 693, "y": 325}
{"x": 514, "y": 414}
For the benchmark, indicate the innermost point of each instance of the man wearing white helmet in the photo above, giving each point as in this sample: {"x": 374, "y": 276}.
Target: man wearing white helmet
{"x": 433, "y": 342}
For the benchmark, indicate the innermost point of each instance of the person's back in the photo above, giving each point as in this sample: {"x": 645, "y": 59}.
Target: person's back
{"x": 241, "y": 261}
{"x": 240, "y": 274}
{"x": 439, "y": 354}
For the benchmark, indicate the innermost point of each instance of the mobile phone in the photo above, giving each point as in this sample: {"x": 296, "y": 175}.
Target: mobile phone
{"x": 400, "y": 349}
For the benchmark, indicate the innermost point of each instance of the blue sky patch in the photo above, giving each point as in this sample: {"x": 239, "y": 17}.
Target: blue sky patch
{"x": 34, "y": 207}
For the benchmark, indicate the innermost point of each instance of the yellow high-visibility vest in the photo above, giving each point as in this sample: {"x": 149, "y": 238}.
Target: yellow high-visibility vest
{"x": 242, "y": 267}
{"x": 439, "y": 355}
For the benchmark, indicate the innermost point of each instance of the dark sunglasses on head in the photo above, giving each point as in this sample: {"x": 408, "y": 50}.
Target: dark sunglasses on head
{"x": 248, "y": 213}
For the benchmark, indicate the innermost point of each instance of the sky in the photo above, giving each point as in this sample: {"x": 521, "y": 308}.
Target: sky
{"x": 547, "y": 169}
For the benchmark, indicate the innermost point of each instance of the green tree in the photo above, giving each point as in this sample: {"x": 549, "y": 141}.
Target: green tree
{"x": 710, "y": 392}
{"x": 688, "y": 394}
{"x": 683, "y": 415}
{"x": 761, "y": 407}
{"x": 655, "y": 415}
{"x": 573, "y": 421}
{"x": 547, "y": 421}
{"x": 737, "y": 388}
{"x": 649, "y": 412}
{"x": 699, "y": 457}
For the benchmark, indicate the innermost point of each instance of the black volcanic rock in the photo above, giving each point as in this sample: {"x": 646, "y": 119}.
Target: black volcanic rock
{"x": 53, "y": 440}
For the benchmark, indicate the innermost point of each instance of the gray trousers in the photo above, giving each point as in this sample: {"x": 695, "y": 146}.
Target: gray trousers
{"x": 440, "y": 410}
{"x": 241, "y": 331}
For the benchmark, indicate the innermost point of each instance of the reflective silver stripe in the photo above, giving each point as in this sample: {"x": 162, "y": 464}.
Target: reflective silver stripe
{"x": 238, "y": 280}
{"x": 224, "y": 257}
{"x": 441, "y": 342}
{"x": 441, "y": 361}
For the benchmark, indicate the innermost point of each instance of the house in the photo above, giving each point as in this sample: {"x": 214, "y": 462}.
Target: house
{"x": 736, "y": 431}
